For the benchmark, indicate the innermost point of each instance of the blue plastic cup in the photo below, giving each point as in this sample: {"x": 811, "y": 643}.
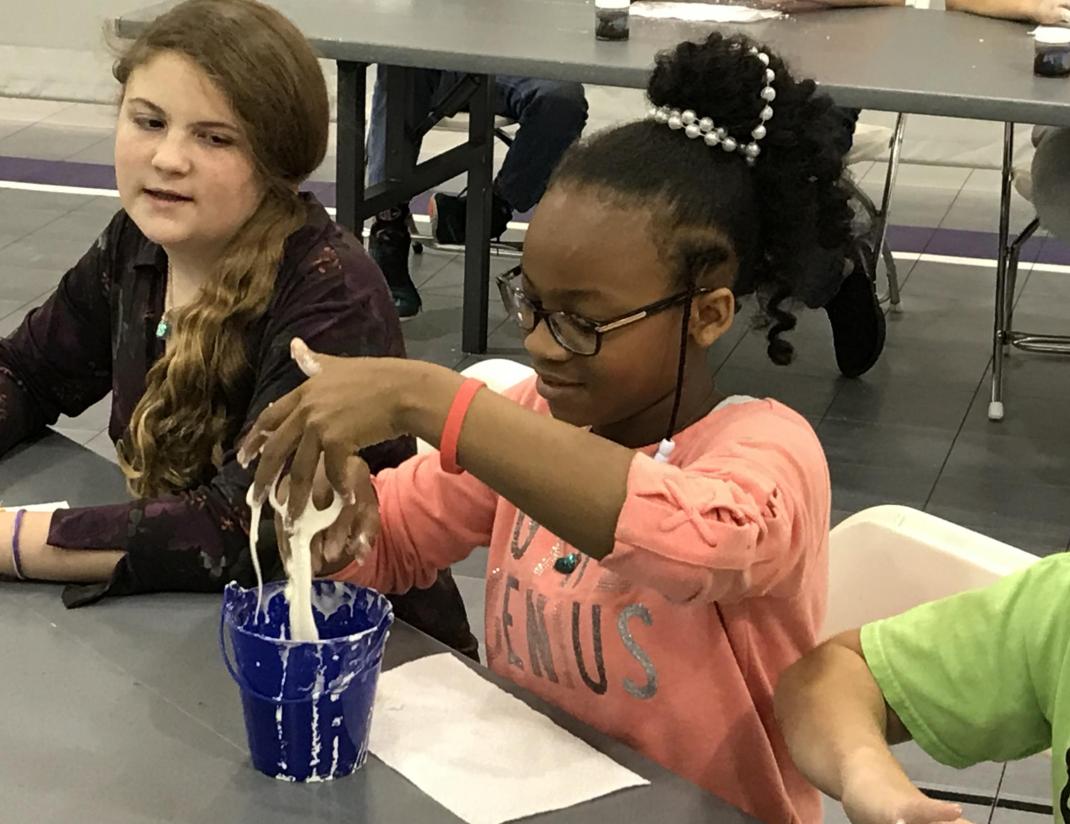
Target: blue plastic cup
{"x": 307, "y": 706}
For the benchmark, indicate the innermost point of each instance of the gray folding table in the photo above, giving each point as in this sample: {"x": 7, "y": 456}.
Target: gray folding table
{"x": 123, "y": 712}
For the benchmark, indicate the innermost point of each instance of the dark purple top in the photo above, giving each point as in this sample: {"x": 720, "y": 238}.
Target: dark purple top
{"x": 96, "y": 334}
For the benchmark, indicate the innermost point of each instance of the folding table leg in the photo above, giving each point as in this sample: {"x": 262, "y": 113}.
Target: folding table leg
{"x": 477, "y": 232}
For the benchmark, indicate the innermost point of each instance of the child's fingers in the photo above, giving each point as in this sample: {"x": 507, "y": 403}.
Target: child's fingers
{"x": 930, "y": 811}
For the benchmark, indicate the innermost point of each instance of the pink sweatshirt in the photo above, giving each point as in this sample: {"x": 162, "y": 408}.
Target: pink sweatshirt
{"x": 673, "y": 642}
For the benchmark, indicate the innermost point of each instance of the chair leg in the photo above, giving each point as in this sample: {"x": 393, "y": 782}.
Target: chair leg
{"x": 999, "y": 324}
{"x": 417, "y": 246}
{"x": 893, "y": 276}
{"x": 1012, "y": 275}
{"x": 895, "y": 151}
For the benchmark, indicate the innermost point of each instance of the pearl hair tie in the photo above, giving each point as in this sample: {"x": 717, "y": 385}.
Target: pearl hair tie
{"x": 695, "y": 127}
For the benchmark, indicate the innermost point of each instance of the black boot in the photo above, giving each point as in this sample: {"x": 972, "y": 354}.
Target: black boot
{"x": 449, "y": 217}
{"x": 857, "y": 319}
{"x": 389, "y": 248}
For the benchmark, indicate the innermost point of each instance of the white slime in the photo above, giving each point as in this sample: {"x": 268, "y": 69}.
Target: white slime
{"x": 299, "y": 595}
{"x": 300, "y": 532}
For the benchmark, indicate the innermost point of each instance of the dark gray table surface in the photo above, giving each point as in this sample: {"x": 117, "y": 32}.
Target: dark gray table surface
{"x": 123, "y": 712}
{"x": 892, "y": 59}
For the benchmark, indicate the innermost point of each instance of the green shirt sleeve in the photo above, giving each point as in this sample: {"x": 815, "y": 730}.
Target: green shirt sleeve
{"x": 974, "y": 677}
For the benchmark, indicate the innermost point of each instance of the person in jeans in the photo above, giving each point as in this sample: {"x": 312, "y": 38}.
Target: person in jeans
{"x": 551, "y": 115}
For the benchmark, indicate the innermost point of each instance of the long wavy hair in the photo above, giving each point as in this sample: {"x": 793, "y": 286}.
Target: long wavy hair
{"x": 272, "y": 80}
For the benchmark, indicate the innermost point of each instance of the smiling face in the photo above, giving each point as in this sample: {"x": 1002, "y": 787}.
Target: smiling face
{"x": 591, "y": 258}
{"x": 183, "y": 168}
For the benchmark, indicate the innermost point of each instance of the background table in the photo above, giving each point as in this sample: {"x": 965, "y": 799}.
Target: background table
{"x": 123, "y": 712}
{"x": 891, "y": 59}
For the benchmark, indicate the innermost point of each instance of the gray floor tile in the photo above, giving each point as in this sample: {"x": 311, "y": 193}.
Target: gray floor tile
{"x": 860, "y": 486}
{"x": 506, "y": 340}
{"x": 48, "y": 142}
{"x": 96, "y": 417}
{"x": 103, "y": 446}
{"x": 1018, "y": 817}
{"x": 723, "y": 348}
{"x": 1013, "y": 460}
{"x": 23, "y": 220}
{"x": 1048, "y": 285}
{"x": 26, "y": 111}
{"x": 95, "y": 117}
{"x": 936, "y": 319}
{"x": 7, "y": 307}
{"x": 1040, "y": 314}
{"x": 814, "y": 352}
{"x": 984, "y": 181}
{"x": 914, "y": 205}
{"x": 26, "y": 283}
{"x": 102, "y": 152}
{"x": 930, "y": 177}
{"x": 424, "y": 267}
{"x": 67, "y": 238}
{"x": 922, "y": 769}
{"x": 474, "y": 566}
{"x": 902, "y": 402}
{"x": 872, "y": 465}
{"x": 971, "y": 286}
{"x": 1027, "y": 374}
{"x": 11, "y": 322}
{"x": 1029, "y": 778}
{"x": 1033, "y": 517}
{"x": 435, "y": 334}
{"x": 805, "y": 394}
{"x": 79, "y": 436}
{"x": 979, "y": 211}
{"x": 449, "y": 276}
{"x": 1026, "y": 417}
{"x": 8, "y": 128}
{"x": 951, "y": 365}
{"x": 887, "y": 445}
{"x": 103, "y": 207}
{"x": 22, "y": 198}
{"x": 41, "y": 253}
{"x": 834, "y": 814}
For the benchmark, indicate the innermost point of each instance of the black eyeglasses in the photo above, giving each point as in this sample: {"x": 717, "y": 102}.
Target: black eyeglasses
{"x": 577, "y": 334}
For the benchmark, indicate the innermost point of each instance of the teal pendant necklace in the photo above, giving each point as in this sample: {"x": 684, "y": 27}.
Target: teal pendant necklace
{"x": 163, "y": 328}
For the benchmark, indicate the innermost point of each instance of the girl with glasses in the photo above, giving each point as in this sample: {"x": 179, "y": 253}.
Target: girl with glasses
{"x": 657, "y": 546}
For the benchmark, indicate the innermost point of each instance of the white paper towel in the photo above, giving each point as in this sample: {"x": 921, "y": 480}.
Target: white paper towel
{"x": 481, "y": 753}
{"x": 701, "y": 12}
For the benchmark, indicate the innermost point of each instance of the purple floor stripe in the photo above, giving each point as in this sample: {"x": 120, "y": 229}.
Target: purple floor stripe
{"x": 1054, "y": 251}
{"x": 57, "y": 173}
{"x": 909, "y": 239}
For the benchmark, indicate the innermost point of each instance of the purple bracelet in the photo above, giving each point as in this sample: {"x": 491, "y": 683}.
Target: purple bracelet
{"x": 16, "y": 560}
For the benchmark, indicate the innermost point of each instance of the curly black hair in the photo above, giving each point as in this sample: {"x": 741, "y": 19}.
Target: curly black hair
{"x": 777, "y": 214}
